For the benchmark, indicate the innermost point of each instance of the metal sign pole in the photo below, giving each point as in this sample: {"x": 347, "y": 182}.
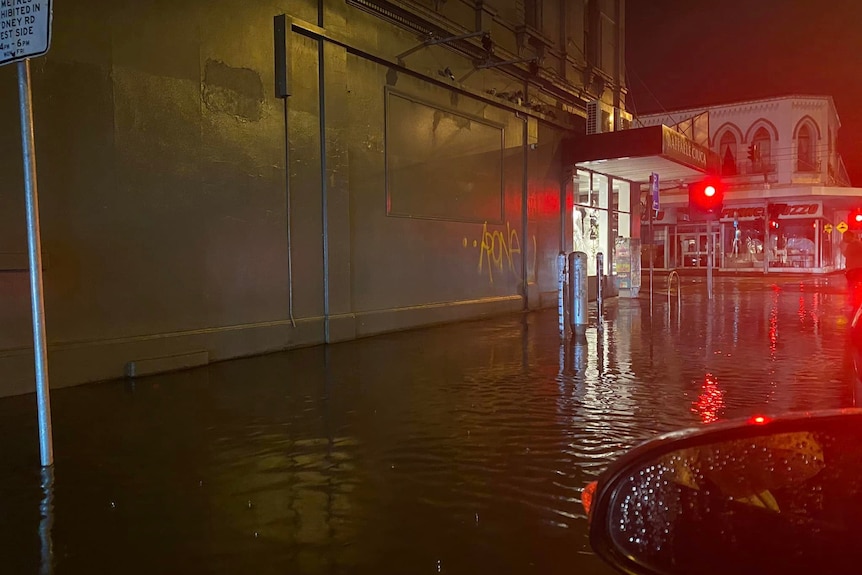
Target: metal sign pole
{"x": 651, "y": 255}
{"x": 34, "y": 249}
{"x": 655, "y": 206}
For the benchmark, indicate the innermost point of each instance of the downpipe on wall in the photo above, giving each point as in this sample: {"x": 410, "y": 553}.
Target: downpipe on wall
{"x": 525, "y": 190}
{"x": 280, "y": 42}
{"x": 289, "y": 214}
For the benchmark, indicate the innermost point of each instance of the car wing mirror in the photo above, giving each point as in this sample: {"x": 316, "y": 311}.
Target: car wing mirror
{"x": 761, "y": 496}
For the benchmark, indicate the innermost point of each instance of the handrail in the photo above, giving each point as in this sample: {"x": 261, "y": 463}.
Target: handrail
{"x": 670, "y": 276}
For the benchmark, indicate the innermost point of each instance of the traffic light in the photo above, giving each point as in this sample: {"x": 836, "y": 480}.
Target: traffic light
{"x": 854, "y": 219}
{"x": 705, "y": 199}
{"x": 753, "y": 153}
{"x": 774, "y": 211}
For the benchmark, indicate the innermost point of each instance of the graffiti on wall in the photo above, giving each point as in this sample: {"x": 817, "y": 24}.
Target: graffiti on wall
{"x": 497, "y": 250}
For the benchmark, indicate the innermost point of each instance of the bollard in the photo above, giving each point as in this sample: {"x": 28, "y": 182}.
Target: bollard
{"x": 561, "y": 278}
{"x": 600, "y": 281}
{"x": 578, "y": 318}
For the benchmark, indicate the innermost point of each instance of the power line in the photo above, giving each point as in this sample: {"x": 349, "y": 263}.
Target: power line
{"x": 650, "y": 92}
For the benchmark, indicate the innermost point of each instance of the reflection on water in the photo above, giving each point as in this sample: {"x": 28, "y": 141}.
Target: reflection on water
{"x": 459, "y": 449}
{"x": 46, "y": 522}
{"x": 710, "y": 401}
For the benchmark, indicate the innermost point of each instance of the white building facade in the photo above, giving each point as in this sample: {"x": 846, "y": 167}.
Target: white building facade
{"x": 787, "y": 192}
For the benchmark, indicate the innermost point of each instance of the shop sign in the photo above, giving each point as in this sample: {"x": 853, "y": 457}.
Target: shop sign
{"x": 679, "y": 147}
{"x": 783, "y": 210}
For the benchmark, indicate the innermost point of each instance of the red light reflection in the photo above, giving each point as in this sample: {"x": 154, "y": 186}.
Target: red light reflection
{"x": 710, "y": 401}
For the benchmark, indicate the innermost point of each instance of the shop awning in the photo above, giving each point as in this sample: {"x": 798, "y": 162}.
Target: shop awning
{"x": 634, "y": 154}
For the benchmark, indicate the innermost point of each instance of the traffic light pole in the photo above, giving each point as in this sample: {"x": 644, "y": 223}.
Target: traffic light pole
{"x": 766, "y": 239}
{"x": 709, "y": 255}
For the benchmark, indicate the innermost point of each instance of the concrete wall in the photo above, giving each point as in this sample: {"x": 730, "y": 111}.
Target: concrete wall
{"x": 163, "y": 185}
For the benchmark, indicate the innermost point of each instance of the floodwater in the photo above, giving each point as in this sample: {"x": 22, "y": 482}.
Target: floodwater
{"x": 458, "y": 449}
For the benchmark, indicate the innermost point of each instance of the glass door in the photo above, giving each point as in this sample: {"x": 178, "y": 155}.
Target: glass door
{"x": 693, "y": 249}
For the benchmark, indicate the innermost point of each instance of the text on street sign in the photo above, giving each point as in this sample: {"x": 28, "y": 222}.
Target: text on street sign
{"x": 25, "y": 29}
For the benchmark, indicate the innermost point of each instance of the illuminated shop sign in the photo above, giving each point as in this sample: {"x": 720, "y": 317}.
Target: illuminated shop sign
{"x": 679, "y": 147}
{"x": 783, "y": 210}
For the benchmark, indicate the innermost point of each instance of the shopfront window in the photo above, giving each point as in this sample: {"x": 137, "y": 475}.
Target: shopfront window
{"x": 783, "y": 236}
{"x": 590, "y": 217}
{"x": 743, "y": 242}
{"x": 625, "y": 262}
{"x": 792, "y": 244}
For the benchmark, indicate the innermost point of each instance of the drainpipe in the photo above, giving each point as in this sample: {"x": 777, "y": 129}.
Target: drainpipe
{"x": 525, "y": 183}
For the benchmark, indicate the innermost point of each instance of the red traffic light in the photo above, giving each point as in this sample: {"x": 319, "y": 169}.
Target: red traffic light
{"x": 854, "y": 219}
{"x": 705, "y": 199}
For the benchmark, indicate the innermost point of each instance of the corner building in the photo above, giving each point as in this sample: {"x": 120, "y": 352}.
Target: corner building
{"x": 788, "y": 195}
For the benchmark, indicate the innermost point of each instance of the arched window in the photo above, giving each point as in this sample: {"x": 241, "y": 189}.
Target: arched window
{"x": 727, "y": 153}
{"x": 763, "y": 145}
{"x": 804, "y": 151}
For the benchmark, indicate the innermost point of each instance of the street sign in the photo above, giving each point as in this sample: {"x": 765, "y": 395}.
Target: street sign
{"x": 827, "y": 228}
{"x": 841, "y": 227}
{"x": 653, "y": 183}
{"x": 25, "y": 29}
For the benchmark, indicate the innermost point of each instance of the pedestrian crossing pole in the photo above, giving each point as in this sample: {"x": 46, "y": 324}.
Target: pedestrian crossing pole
{"x": 710, "y": 253}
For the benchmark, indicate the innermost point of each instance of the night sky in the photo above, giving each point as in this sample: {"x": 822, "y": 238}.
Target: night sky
{"x": 687, "y": 53}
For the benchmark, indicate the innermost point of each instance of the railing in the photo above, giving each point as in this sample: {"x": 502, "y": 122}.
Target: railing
{"x": 744, "y": 168}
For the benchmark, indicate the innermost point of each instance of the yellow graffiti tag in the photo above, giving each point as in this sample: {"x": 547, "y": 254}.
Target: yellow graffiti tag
{"x": 498, "y": 248}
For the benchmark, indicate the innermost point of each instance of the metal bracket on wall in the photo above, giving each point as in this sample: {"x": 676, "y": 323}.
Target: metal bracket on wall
{"x": 432, "y": 40}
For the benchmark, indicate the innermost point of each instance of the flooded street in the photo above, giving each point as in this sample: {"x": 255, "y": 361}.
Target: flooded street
{"x": 458, "y": 449}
